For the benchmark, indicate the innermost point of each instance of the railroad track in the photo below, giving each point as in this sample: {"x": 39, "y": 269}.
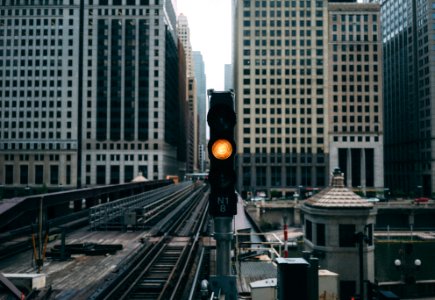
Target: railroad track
{"x": 159, "y": 270}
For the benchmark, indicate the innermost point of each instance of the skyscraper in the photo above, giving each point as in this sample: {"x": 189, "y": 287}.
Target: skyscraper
{"x": 228, "y": 77}
{"x": 408, "y": 50}
{"x": 284, "y": 74}
{"x": 201, "y": 97}
{"x": 191, "y": 97}
{"x": 98, "y": 92}
{"x": 355, "y": 93}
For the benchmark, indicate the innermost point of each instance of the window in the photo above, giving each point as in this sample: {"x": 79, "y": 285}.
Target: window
{"x": 320, "y": 229}
{"x": 54, "y": 174}
{"x": 24, "y": 174}
{"x": 346, "y": 235}
{"x": 308, "y": 230}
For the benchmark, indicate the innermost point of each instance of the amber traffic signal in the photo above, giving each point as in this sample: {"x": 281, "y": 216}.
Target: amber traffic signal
{"x": 221, "y": 119}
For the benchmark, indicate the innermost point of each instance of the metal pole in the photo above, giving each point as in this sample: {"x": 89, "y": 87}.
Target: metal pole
{"x": 223, "y": 234}
{"x": 361, "y": 264}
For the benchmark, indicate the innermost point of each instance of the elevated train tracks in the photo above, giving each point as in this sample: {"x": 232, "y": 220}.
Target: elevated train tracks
{"x": 167, "y": 222}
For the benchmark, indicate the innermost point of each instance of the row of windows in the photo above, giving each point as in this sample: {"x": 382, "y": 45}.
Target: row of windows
{"x": 123, "y": 146}
{"x": 279, "y": 43}
{"x": 279, "y": 130}
{"x": 286, "y": 101}
{"x": 356, "y": 129}
{"x": 273, "y": 141}
{"x": 353, "y": 78}
{"x": 346, "y": 234}
{"x": 284, "y": 149}
{"x": 355, "y": 88}
{"x": 354, "y": 27}
{"x": 279, "y": 111}
{"x": 282, "y": 33}
{"x": 291, "y": 158}
{"x": 359, "y": 68}
{"x": 276, "y": 178}
{"x": 344, "y": 138}
{"x": 279, "y": 52}
{"x": 38, "y": 146}
{"x": 283, "y": 3}
{"x": 354, "y": 37}
{"x": 286, "y": 14}
{"x": 38, "y": 177}
{"x": 279, "y": 81}
{"x": 33, "y": 22}
{"x": 353, "y": 47}
{"x": 279, "y": 120}
{"x": 352, "y": 119}
{"x": 349, "y": 18}
{"x": 359, "y": 108}
{"x": 17, "y": 33}
{"x": 36, "y": 157}
{"x": 35, "y": 124}
{"x": 127, "y": 157}
{"x": 35, "y": 2}
{"x": 114, "y": 174}
{"x": 358, "y": 98}
{"x": 72, "y": 2}
{"x": 34, "y": 93}
{"x": 286, "y": 91}
{"x": 35, "y": 104}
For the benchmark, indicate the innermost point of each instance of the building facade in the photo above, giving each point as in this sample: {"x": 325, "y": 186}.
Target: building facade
{"x": 332, "y": 219}
{"x": 201, "y": 96}
{"x": 99, "y": 87}
{"x": 283, "y": 84}
{"x": 408, "y": 29}
{"x": 191, "y": 97}
{"x": 355, "y": 93}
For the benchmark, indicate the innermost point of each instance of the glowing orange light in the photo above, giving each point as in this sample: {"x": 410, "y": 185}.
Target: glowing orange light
{"x": 221, "y": 149}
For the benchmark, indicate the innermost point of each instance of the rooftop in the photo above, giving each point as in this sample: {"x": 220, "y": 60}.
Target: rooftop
{"x": 337, "y": 196}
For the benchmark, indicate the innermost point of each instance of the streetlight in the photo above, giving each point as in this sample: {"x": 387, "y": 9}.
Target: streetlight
{"x": 406, "y": 266}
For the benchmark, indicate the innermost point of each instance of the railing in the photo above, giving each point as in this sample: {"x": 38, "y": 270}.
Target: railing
{"x": 101, "y": 215}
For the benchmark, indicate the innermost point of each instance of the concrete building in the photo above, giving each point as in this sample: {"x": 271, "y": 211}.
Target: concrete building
{"x": 201, "y": 96}
{"x": 228, "y": 83}
{"x": 408, "y": 29}
{"x": 285, "y": 80}
{"x": 191, "y": 97}
{"x": 93, "y": 104}
{"x": 332, "y": 218}
{"x": 355, "y": 93}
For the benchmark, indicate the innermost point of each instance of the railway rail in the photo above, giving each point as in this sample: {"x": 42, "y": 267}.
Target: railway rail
{"x": 159, "y": 270}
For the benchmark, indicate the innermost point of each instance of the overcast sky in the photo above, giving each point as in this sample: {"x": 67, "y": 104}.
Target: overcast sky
{"x": 210, "y": 33}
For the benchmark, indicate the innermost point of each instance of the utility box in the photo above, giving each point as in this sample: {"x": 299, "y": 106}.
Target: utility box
{"x": 263, "y": 289}
{"x": 292, "y": 278}
{"x": 328, "y": 285}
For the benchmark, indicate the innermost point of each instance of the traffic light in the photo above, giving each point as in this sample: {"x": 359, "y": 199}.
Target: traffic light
{"x": 221, "y": 119}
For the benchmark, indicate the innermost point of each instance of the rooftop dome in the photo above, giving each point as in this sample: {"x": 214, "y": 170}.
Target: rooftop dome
{"x": 139, "y": 178}
{"x": 337, "y": 195}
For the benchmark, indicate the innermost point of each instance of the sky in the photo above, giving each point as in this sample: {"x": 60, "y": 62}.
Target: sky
{"x": 210, "y": 33}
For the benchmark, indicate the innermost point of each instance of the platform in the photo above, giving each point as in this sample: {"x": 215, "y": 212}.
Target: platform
{"x": 77, "y": 278}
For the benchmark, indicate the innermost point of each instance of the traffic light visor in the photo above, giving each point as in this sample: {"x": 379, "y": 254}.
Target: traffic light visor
{"x": 221, "y": 149}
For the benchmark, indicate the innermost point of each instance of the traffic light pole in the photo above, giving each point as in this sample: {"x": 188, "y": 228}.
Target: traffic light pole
{"x": 223, "y": 234}
{"x": 222, "y": 199}
{"x": 224, "y": 284}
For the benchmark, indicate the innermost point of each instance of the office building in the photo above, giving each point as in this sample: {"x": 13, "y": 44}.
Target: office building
{"x": 191, "y": 97}
{"x": 355, "y": 93}
{"x": 201, "y": 96}
{"x": 85, "y": 97}
{"x": 228, "y": 83}
{"x": 284, "y": 82}
{"x": 408, "y": 49}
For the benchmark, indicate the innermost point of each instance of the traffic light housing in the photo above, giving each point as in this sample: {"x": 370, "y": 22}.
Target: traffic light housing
{"x": 221, "y": 119}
